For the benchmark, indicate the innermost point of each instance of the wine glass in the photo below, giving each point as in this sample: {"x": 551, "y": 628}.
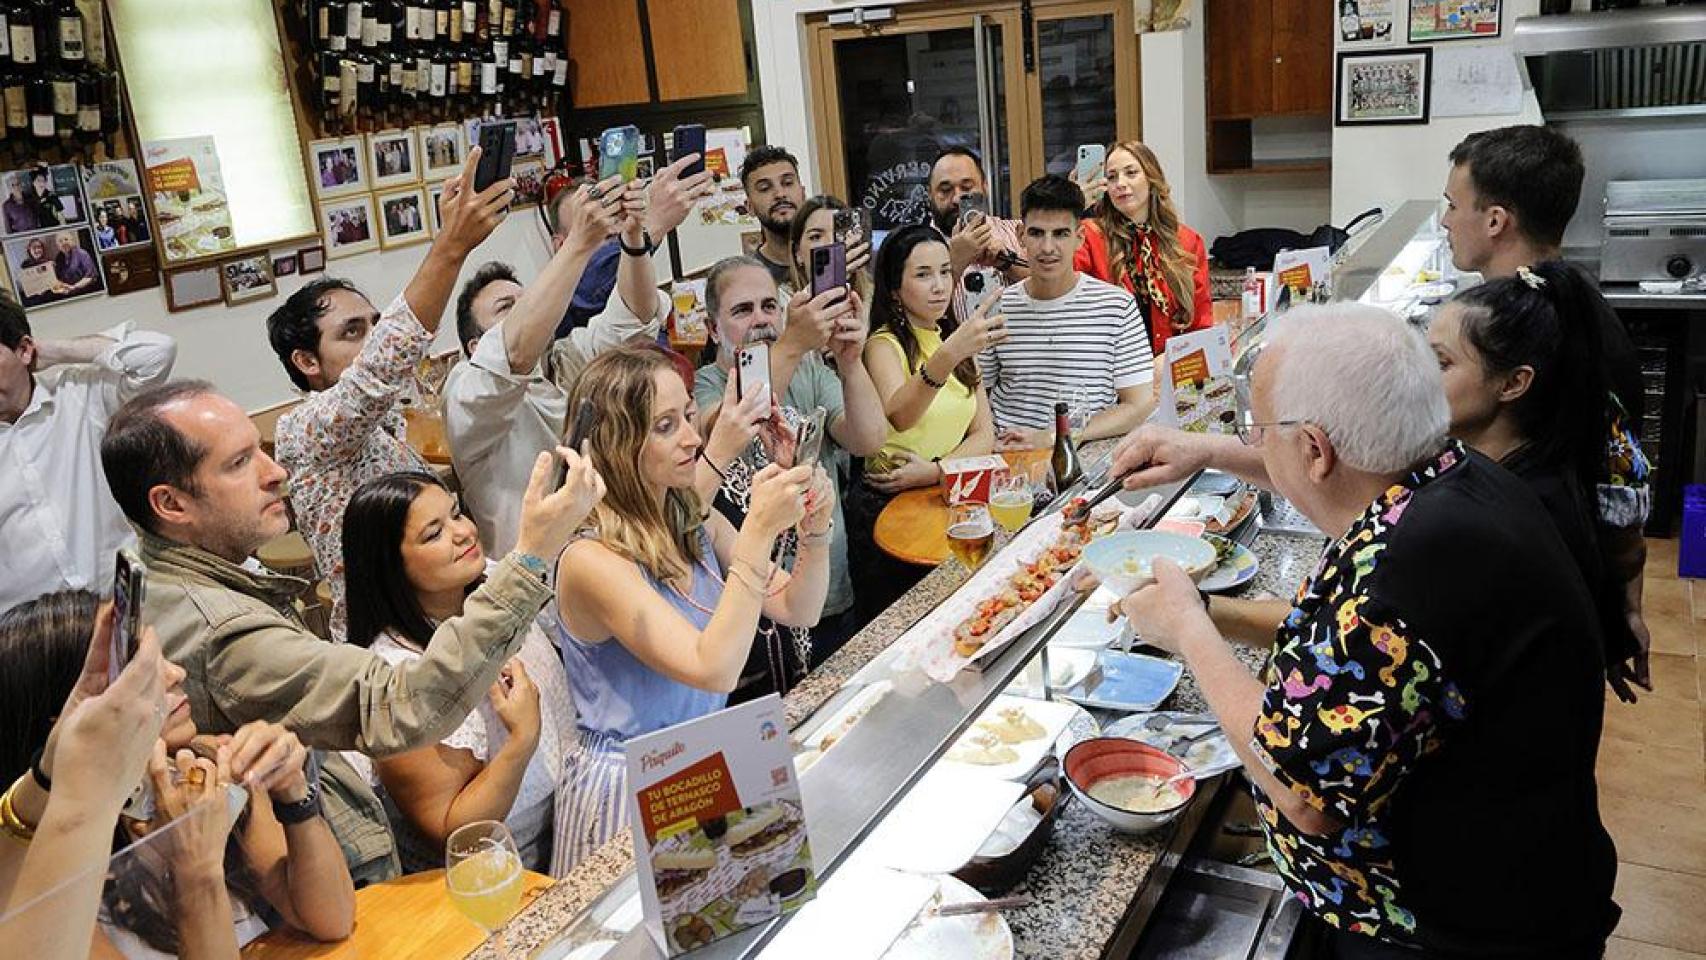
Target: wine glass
{"x": 483, "y": 873}
{"x": 970, "y": 533}
{"x": 1010, "y": 500}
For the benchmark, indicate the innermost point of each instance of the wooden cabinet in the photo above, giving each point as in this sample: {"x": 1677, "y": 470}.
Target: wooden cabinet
{"x": 678, "y": 50}
{"x": 1264, "y": 58}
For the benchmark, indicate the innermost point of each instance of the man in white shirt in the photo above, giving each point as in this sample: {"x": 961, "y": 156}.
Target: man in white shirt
{"x": 1070, "y": 338}
{"x": 58, "y": 521}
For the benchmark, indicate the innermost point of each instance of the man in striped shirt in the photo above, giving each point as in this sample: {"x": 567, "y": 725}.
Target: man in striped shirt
{"x": 1070, "y": 338}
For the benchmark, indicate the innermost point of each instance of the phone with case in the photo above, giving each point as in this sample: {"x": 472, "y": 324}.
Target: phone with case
{"x": 619, "y": 153}
{"x": 689, "y": 138}
{"x": 808, "y": 442}
{"x": 973, "y": 206}
{"x": 829, "y": 267}
{"x": 980, "y": 285}
{"x": 497, "y": 152}
{"x": 752, "y": 369}
{"x": 1090, "y": 159}
{"x": 578, "y": 429}
{"x": 129, "y": 586}
{"x": 852, "y": 226}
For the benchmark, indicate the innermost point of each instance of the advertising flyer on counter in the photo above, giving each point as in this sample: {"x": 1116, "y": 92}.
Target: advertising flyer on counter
{"x": 719, "y": 831}
{"x": 1197, "y": 389}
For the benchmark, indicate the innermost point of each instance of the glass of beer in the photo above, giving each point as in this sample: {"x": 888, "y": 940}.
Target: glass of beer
{"x": 483, "y": 872}
{"x": 1010, "y": 500}
{"x": 970, "y": 533}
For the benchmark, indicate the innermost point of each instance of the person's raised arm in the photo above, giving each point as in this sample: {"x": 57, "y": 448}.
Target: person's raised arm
{"x": 796, "y": 598}
{"x": 531, "y": 324}
{"x": 906, "y": 395}
{"x": 467, "y": 218}
{"x": 862, "y": 427}
{"x": 1152, "y": 455}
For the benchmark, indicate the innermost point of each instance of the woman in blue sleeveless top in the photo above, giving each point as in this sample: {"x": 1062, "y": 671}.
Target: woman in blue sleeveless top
{"x": 657, "y": 607}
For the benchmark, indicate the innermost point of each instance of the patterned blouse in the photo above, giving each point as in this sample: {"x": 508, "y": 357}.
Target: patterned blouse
{"x": 348, "y": 434}
{"x": 1353, "y": 702}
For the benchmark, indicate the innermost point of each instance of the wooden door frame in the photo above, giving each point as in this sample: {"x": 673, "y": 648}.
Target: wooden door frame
{"x": 826, "y": 94}
{"x": 1128, "y": 86}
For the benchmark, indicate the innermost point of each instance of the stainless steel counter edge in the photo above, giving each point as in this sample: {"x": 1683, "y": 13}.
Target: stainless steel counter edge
{"x": 1363, "y": 265}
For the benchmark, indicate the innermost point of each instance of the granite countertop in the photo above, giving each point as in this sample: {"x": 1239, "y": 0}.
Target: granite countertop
{"x": 1084, "y": 882}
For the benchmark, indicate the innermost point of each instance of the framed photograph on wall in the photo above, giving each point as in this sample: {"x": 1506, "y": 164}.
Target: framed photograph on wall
{"x": 1384, "y": 87}
{"x": 41, "y": 198}
{"x": 338, "y": 167}
{"x": 403, "y": 218}
{"x": 442, "y": 151}
{"x": 311, "y": 259}
{"x": 347, "y": 226}
{"x": 247, "y": 278}
{"x": 392, "y": 156}
{"x": 113, "y": 189}
{"x": 1365, "y": 23}
{"x": 129, "y": 270}
{"x": 194, "y": 287}
{"x": 1434, "y": 20}
{"x": 54, "y": 267}
{"x": 529, "y": 176}
{"x": 283, "y": 265}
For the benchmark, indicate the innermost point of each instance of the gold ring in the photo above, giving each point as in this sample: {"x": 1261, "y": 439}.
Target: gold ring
{"x": 197, "y": 776}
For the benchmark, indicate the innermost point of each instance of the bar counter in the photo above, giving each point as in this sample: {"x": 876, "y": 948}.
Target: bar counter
{"x": 1092, "y": 889}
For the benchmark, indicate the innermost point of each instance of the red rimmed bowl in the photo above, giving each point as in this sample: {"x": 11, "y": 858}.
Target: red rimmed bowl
{"x": 1100, "y": 758}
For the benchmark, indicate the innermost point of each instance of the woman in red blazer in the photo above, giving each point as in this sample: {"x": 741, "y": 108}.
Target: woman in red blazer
{"x": 1135, "y": 240}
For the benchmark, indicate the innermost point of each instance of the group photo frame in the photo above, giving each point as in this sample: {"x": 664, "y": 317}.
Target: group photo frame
{"x": 404, "y": 218}
{"x": 394, "y": 158}
{"x": 1383, "y": 87}
{"x": 338, "y": 167}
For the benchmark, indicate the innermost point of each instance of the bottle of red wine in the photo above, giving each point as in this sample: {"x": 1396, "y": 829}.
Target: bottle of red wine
{"x": 1063, "y": 462}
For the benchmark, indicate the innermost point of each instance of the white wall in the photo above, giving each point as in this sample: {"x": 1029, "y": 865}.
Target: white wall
{"x": 228, "y": 345}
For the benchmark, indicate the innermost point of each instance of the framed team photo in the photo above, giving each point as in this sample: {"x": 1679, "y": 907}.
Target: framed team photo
{"x": 1384, "y": 87}
{"x": 247, "y": 278}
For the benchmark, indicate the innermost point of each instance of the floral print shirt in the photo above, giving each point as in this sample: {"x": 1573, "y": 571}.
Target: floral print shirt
{"x": 348, "y": 434}
{"x": 1355, "y": 698}
{"x": 1625, "y": 493}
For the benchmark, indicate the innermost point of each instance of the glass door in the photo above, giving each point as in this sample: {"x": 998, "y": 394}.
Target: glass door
{"x": 1085, "y": 85}
{"x": 893, "y": 92}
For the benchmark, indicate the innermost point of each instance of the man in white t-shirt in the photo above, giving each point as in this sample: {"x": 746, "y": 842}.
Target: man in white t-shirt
{"x": 1070, "y": 338}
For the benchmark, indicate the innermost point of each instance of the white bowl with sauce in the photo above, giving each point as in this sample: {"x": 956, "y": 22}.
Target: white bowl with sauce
{"x": 1100, "y": 763}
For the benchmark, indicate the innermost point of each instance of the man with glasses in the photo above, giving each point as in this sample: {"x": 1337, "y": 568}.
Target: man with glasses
{"x": 1437, "y": 681}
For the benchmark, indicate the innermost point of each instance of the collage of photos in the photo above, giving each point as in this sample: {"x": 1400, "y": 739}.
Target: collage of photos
{"x": 62, "y": 221}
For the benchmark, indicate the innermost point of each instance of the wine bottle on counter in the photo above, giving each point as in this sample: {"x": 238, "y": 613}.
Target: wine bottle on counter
{"x": 1063, "y": 462}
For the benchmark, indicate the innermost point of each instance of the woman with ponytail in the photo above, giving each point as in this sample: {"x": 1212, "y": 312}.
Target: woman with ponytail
{"x": 1521, "y": 362}
{"x": 1135, "y": 241}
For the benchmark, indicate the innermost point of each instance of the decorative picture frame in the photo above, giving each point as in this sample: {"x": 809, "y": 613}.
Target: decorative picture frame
{"x": 193, "y": 287}
{"x": 1366, "y": 23}
{"x": 1432, "y": 21}
{"x": 311, "y": 259}
{"x": 529, "y": 177}
{"x": 393, "y": 156}
{"x": 41, "y": 197}
{"x": 348, "y": 226}
{"x": 247, "y": 278}
{"x": 46, "y": 272}
{"x": 130, "y": 269}
{"x": 1383, "y": 87}
{"x": 403, "y": 218}
{"x": 443, "y": 150}
{"x": 338, "y": 167}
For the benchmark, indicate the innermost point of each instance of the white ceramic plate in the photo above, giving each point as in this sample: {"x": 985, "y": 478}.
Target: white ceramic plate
{"x": 1234, "y": 572}
{"x": 941, "y": 822}
{"x": 1211, "y": 756}
{"x": 1121, "y": 561}
{"x": 1088, "y": 627}
{"x": 1051, "y": 715}
{"x": 977, "y": 936}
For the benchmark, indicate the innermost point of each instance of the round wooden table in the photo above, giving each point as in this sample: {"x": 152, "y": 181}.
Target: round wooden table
{"x": 410, "y": 916}
{"x": 914, "y": 525}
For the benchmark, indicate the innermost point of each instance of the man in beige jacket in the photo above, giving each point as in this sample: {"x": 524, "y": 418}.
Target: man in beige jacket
{"x": 185, "y": 465}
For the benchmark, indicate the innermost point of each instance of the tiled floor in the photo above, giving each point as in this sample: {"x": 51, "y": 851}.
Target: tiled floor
{"x": 1652, "y": 778}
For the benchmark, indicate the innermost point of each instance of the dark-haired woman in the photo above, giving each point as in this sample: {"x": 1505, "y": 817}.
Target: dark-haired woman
{"x": 1521, "y": 363}
{"x": 411, "y": 557}
{"x": 227, "y": 883}
{"x": 1136, "y": 241}
{"x": 814, "y": 226}
{"x": 922, "y": 363}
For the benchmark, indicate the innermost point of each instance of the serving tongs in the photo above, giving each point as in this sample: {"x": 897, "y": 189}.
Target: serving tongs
{"x": 1074, "y": 512}
{"x": 981, "y": 906}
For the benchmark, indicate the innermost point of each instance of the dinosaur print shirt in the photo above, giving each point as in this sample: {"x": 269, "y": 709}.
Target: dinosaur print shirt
{"x": 1389, "y": 692}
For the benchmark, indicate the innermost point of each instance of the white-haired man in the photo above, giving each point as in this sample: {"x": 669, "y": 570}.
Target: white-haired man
{"x": 1437, "y": 681}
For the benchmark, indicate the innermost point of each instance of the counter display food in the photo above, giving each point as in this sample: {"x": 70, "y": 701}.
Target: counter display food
{"x": 877, "y": 737}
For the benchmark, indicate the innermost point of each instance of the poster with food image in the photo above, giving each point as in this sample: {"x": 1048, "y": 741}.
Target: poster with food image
{"x": 719, "y": 829}
{"x": 182, "y": 175}
{"x": 1197, "y": 392}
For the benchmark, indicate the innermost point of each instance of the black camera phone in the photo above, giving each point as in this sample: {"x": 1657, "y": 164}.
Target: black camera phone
{"x": 497, "y": 152}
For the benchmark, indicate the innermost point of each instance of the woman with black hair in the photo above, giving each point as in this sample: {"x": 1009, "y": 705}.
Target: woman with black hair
{"x": 221, "y": 883}
{"x": 1521, "y": 362}
{"x": 411, "y": 557}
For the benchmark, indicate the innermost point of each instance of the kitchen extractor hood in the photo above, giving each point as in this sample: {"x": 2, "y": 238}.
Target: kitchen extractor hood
{"x": 1638, "y": 62}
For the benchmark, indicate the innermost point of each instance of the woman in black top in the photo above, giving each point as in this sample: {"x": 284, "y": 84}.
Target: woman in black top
{"x": 1521, "y": 361}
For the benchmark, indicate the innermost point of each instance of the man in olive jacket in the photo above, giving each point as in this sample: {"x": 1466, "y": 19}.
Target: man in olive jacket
{"x": 186, "y": 466}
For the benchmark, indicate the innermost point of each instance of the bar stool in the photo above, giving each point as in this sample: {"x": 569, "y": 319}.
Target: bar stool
{"x": 288, "y": 554}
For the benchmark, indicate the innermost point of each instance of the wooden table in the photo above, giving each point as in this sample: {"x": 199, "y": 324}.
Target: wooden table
{"x": 914, "y": 525}
{"x": 410, "y": 916}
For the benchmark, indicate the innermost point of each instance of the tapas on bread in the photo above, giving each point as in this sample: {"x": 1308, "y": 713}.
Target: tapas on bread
{"x": 1033, "y": 579}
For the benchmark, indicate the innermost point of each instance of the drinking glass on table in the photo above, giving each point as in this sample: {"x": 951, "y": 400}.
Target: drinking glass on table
{"x": 483, "y": 872}
{"x": 970, "y": 533}
{"x": 1010, "y": 500}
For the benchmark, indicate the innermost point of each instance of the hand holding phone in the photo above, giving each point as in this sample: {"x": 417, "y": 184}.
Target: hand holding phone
{"x": 689, "y": 139}
{"x": 619, "y": 153}
{"x": 752, "y": 369}
{"x": 129, "y": 586}
{"x": 497, "y": 152}
{"x": 829, "y": 267}
{"x": 973, "y": 207}
{"x": 808, "y": 442}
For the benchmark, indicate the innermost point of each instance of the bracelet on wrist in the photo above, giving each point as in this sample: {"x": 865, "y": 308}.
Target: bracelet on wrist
{"x": 714, "y": 468}
{"x": 38, "y": 773}
{"x": 10, "y": 823}
{"x": 929, "y": 381}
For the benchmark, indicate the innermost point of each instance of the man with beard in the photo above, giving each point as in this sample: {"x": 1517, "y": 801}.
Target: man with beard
{"x": 985, "y": 243}
{"x": 774, "y": 194}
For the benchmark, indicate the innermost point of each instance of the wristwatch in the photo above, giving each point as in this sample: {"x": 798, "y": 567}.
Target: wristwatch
{"x": 309, "y": 806}
{"x": 641, "y": 251}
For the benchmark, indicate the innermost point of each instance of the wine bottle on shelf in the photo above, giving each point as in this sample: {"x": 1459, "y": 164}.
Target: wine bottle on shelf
{"x": 5, "y": 38}
{"x": 440, "y": 70}
{"x": 441, "y": 19}
{"x": 64, "y": 100}
{"x": 509, "y": 18}
{"x": 352, "y": 23}
{"x": 88, "y": 106}
{"x": 331, "y": 91}
{"x": 1063, "y": 462}
{"x": 454, "y": 19}
{"x": 112, "y": 105}
{"x": 68, "y": 33}
{"x": 470, "y": 22}
{"x": 554, "y": 23}
{"x": 12, "y": 89}
{"x": 39, "y": 95}
{"x": 21, "y": 26}
{"x": 337, "y": 21}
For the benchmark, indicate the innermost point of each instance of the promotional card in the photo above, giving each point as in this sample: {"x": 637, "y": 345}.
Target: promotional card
{"x": 1196, "y": 385}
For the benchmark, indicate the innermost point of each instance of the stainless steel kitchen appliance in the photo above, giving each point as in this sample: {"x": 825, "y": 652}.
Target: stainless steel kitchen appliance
{"x": 1654, "y": 230}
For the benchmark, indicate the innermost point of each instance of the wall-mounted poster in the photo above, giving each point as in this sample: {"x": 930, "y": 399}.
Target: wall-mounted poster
{"x": 1432, "y": 20}
{"x": 1383, "y": 87}
{"x": 1472, "y": 80}
{"x": 1365, "y": 23}
{"x": 182, "y": 175}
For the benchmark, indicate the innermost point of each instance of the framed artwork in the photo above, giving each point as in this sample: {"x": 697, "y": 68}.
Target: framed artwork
{"x": 41, "y": 198}
{"x": 283, "y": 265}
{"x": 113, "y": 190}
{"x": 529, "y": 137}
{"x": 347, "y": 226}
{"x": 130, "y": 270}
{"x": 1433, "y": 20}
{"x": 247, "y": 278}
{"x": 433, "y": 192}
{"x": 339, "y": 167}
{"x": 403, "y": 218}
{"x": 311, "y": 259}
{"x": 443, "y": 151}
{"x": 54, "y": 267}
{"x": 1385, "y": 87}
{"x": 393, "y": 157}
{"x": 1365, "y": 23}
{"x": 529, "y": 176}
{"x": 194, "y": 287}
